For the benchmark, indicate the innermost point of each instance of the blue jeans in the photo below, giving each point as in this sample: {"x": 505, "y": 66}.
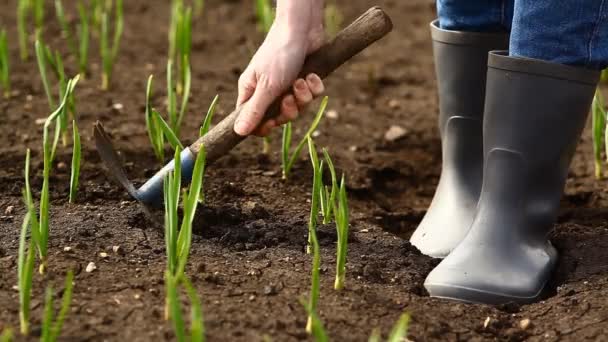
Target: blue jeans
{"x": 573, "y": 32}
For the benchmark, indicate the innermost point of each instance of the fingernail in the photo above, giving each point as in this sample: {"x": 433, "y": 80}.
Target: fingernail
{"x": 289, "y": 101}
{"x": 300, "y": 85}
{"x": 313, "y": 78}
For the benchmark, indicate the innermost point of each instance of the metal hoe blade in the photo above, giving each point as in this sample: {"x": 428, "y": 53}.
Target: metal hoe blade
{"x": 111, "y": 160}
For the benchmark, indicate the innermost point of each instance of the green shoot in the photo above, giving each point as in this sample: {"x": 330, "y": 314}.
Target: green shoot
{"x": 333, "y": 20}
{"x": 342, "y": 222}
{"x": 23, "y": 9}
{"x": 65, "y": 28}
{"x": 38, "y": 6}
{"x": 312, "y": 233}
{"x": 83, "y": 37}
{"x": 175, "y": 116}
{"x": 209, "y": 116}
{"x": 109, "y": 53}
{"x": 264, "y": 14}
{"x": 25, "y": 265}
{"x": 7, "y": 335}
{"x": 317, "y": 329}
{"x": 76, "y": 154}
{"x": 197, "y": 327}
{"x": 178, "y": 241}
{"x": 399, "y": 332}
{"x": 287, "y": 159}
{"x": 328, "y": 197}
{"x": 41, "y": 57}
{"x": 604, "y": 76}
{"x": 155, "y": 132}
{"x": 5, "y": 81}
{"x": 180, "y": 43}
{"x": 50, "y": 330}
{"x": 49, "y": 155}
{"x": 167, "y": 131}
{"x": 197, "y": 330}
{"x": 598, "y": 130}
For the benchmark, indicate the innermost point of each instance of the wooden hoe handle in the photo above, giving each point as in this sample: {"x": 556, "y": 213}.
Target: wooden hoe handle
{"x": 368, "y": 28}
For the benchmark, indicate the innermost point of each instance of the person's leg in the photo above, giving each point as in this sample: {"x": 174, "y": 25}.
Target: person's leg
{"x": 536, "y": 106}
{"x": 460, "y": 65}
{"x": 572, "y": 32}
{"x": 475, "y": 15}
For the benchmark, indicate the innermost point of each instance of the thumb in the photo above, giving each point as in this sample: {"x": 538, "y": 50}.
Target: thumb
{"x": 247, "y": 84}
{"x": 253, "y": 111}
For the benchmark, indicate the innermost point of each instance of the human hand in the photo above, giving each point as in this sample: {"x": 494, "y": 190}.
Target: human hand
{"x": 272, "y": 71}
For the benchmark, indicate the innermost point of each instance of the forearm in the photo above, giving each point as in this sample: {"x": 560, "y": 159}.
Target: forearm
{"x": 299, "y": 17}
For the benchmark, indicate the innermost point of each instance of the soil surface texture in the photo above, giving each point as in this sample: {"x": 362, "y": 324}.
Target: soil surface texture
{"x": 248, "y": 259}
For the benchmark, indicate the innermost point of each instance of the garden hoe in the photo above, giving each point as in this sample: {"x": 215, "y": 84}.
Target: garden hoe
{"x": 367, "y": 29}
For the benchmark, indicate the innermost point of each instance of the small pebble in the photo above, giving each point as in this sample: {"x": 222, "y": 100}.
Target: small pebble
{"x": 67, "y": 249}
{"x": 486, "y": 322}
{"x": 90, "y": 267}
{"x": 525, "y": 323}
{"x": 9, "y": 210}
{"x": 353, "y": 148}
{"x": 117, "y": 250}
{"x": 394, "y": 104}
{"x": 103, "y": 255}
{"x": 40, "y": 121}
{"x": 316, "y": 134}
{"x": 332, "y": 114}
{"x": 395, "y": 133}
{"x": 61, "y": 166}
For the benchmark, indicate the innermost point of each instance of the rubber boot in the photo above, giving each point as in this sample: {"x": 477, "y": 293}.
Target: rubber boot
{"x": 461, "y": 60}
{"x": 535, "y": 112}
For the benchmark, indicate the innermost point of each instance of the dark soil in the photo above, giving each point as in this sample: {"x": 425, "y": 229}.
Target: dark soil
{"x": 248, "y": 261}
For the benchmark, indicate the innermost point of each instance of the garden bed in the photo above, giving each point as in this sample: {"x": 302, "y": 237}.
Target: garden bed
{"x": 247, "y": 260}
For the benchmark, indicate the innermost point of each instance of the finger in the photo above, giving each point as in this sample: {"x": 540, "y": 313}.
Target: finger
{"x": 253, "y": 111}
{"x": 315, "y": 84}
{"x": 246, "y": 87}
{"x": 265, "y": 129}
{"x": 302, "y": 93}
{"x": 289, "y": 110}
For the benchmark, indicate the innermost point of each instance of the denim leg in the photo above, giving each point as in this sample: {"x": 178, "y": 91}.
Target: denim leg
{"x": 475, "y": 15}
{"x": 573, "y": 32}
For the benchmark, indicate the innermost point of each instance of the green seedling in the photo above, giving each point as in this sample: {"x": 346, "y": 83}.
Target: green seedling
{"x": 264, "y": 14}
{"x": 317, "y": 330}
{"x": 180, "y": 43}
{"x": 38, "y": 7}
{"x": 206, "y": 125}
{"x": 51, "y": 330}
{"x": 23, "y": 9}
{"x": 167, "y": 131}
{"x": 155, "y": 132}
{"x": 49, "y": 149}
{"x": 109, "y": 53}
{"x": 82, "y": 51}
{"x": 342, "y": 222}
{"x": 46, "y": 58}
{"x": 197, "y": 329}
{"x": 76, "y": 155}
{"x": 178, "y": 242}
{"x": 333, "y": 19}
{"x": 599, "y": 131}
{"x": 175, "y": 116}
{"x": 7, "y": 335}
{"x": 313, "y": 242}
{"x": 328, "y": 196}
{"x": 397, "y": 334}
{"x": 4, "y": 65}
{"x": 287, "y": 159}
